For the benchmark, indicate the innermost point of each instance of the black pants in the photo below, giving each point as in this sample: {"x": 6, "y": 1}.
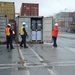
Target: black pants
{"x": 9, "y": 42}
{"x": 23, "y": 41}
{"x": 54, "y": 41}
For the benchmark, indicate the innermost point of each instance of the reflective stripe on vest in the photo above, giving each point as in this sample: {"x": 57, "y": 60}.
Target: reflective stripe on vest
{"x": 21, "y": 31}
{"x": 7, "y": 31}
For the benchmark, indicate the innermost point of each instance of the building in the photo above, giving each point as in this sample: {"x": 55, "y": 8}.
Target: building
{"x": 7, "y": 9}
{"x": 29, "y": 9}
{"x": 66, "y": 21}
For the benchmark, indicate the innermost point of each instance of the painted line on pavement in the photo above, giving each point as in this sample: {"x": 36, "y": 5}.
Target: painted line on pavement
{"x": 70, "y": 48}
{"x": 24, "y": 63}
{"x": 35, "y": 53}
{"x": 45, "y": 64}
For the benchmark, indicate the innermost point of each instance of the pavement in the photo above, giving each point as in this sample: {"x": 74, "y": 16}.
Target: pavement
{"x": 11, "y": 63}
{"x": 66, "y": 35}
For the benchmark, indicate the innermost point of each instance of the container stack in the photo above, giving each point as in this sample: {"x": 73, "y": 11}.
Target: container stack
{"x": 29, "y": 9}
{"x": 7, "y": 9}
{"x": 72, "y": 23}
{"x": 63, "y": 19}
{"x": 3, "y": 24}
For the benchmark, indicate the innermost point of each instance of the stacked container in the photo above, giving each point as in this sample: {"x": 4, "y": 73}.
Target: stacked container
{"x": 63, "y": 20}
{"x": 29, "y": 9}
{"x": 7, "y": 9}
{"x": 3, "y": 24}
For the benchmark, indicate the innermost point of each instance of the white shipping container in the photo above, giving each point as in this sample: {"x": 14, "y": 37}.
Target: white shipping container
{"x": 47, "y": 29}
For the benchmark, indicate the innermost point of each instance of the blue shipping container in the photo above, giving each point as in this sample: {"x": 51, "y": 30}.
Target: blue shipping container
{"x": 73, "y": 19}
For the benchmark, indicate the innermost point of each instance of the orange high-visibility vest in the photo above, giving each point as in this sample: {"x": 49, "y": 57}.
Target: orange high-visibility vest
{"x": 21, "y": 30}
{"x": 7, "y": 30}
{"x": 55, "y": 31}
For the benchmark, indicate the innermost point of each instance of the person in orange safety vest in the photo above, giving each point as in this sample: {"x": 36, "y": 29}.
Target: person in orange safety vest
{"x": 55, "y": 34}
{"x": 8, "y": 32}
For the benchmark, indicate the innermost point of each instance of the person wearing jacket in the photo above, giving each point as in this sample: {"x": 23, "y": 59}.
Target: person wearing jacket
{"x": 9, "y": 32}
{"x": 23, "y": 34}
{"x": 55, "y": 34}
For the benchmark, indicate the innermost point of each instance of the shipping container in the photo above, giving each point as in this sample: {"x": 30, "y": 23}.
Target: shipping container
{"x": 72, "y": 14}
{"x": 67, "y": 26}
{"x": 13, "y": 26}
{"x": 47, "y": 29}
{"x": 7, "y": 8}
{"x": 29, "y": 9}
{"x": 61, "y": 23}
{"x": 3, "y": 24}
{"x": 73, "y": 19}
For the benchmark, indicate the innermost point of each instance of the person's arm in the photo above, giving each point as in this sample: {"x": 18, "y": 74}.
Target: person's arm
{"x": 25, "y": 32}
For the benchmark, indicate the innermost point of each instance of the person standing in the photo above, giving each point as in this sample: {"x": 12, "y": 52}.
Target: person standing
{"x": 9, "y": 37}
{"x": 55, "y": 34}
{"x": 23, "y": 34}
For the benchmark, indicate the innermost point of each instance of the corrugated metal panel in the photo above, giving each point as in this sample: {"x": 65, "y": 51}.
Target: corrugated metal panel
{"x": 67, "y": 19}
{"x": 61, "y": 23}
{"x": 27, "y": 27}
{"x": 3, "y": 24}
{"x": 73, "y": 19}
{"x": 66, "y": 26}
{"x": 7, "y": 8}
{"x": 61, "y": 29}
{"x": 47, "y": 29}
{"x": 28, "y": 9}
{"x": 72, "y": 14}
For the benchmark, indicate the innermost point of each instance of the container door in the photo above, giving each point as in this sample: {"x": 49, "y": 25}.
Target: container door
{"x": 39, "y": 24}
{"x": 39, "y": 35}
{"x": 33, "y": 25}
{"x": 34, "y": 36}
{"x": 47, "y": 29}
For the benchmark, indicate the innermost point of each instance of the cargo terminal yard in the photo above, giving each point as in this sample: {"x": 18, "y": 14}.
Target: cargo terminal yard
{"x": 40, "y": 58}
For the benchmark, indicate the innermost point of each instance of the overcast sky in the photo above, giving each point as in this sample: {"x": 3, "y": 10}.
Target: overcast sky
{"x": 47, "y": 7}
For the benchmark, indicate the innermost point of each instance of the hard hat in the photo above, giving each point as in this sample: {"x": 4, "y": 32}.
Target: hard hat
{"x": 9, "y": 24}
{"x": 56, "y": 24}
{"x": 23, "y": 23}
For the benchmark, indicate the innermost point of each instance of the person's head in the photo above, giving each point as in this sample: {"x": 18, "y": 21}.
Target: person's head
{"x": 23, "y": 23}
{"x": 56, "y": 24}
{"x": 9, "y": 25}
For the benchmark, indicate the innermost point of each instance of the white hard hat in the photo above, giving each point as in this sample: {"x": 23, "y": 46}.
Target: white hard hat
{"x": 56, "y": 24}
{"x": 23, "y": 23}
{"x": 9, "y": 24}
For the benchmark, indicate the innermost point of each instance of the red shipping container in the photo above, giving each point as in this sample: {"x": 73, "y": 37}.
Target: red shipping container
{"x": 72, "y": 14}
{"x": 61, "y": 23}
{"x": 13, "y": 26}
{"x": 29, "y": 9}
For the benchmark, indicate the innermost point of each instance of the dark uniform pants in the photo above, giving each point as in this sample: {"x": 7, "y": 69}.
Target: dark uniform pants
{"x": 23, "y": 41}
{"x": 9, "y": 42}
{"x": 54, "y": 41}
